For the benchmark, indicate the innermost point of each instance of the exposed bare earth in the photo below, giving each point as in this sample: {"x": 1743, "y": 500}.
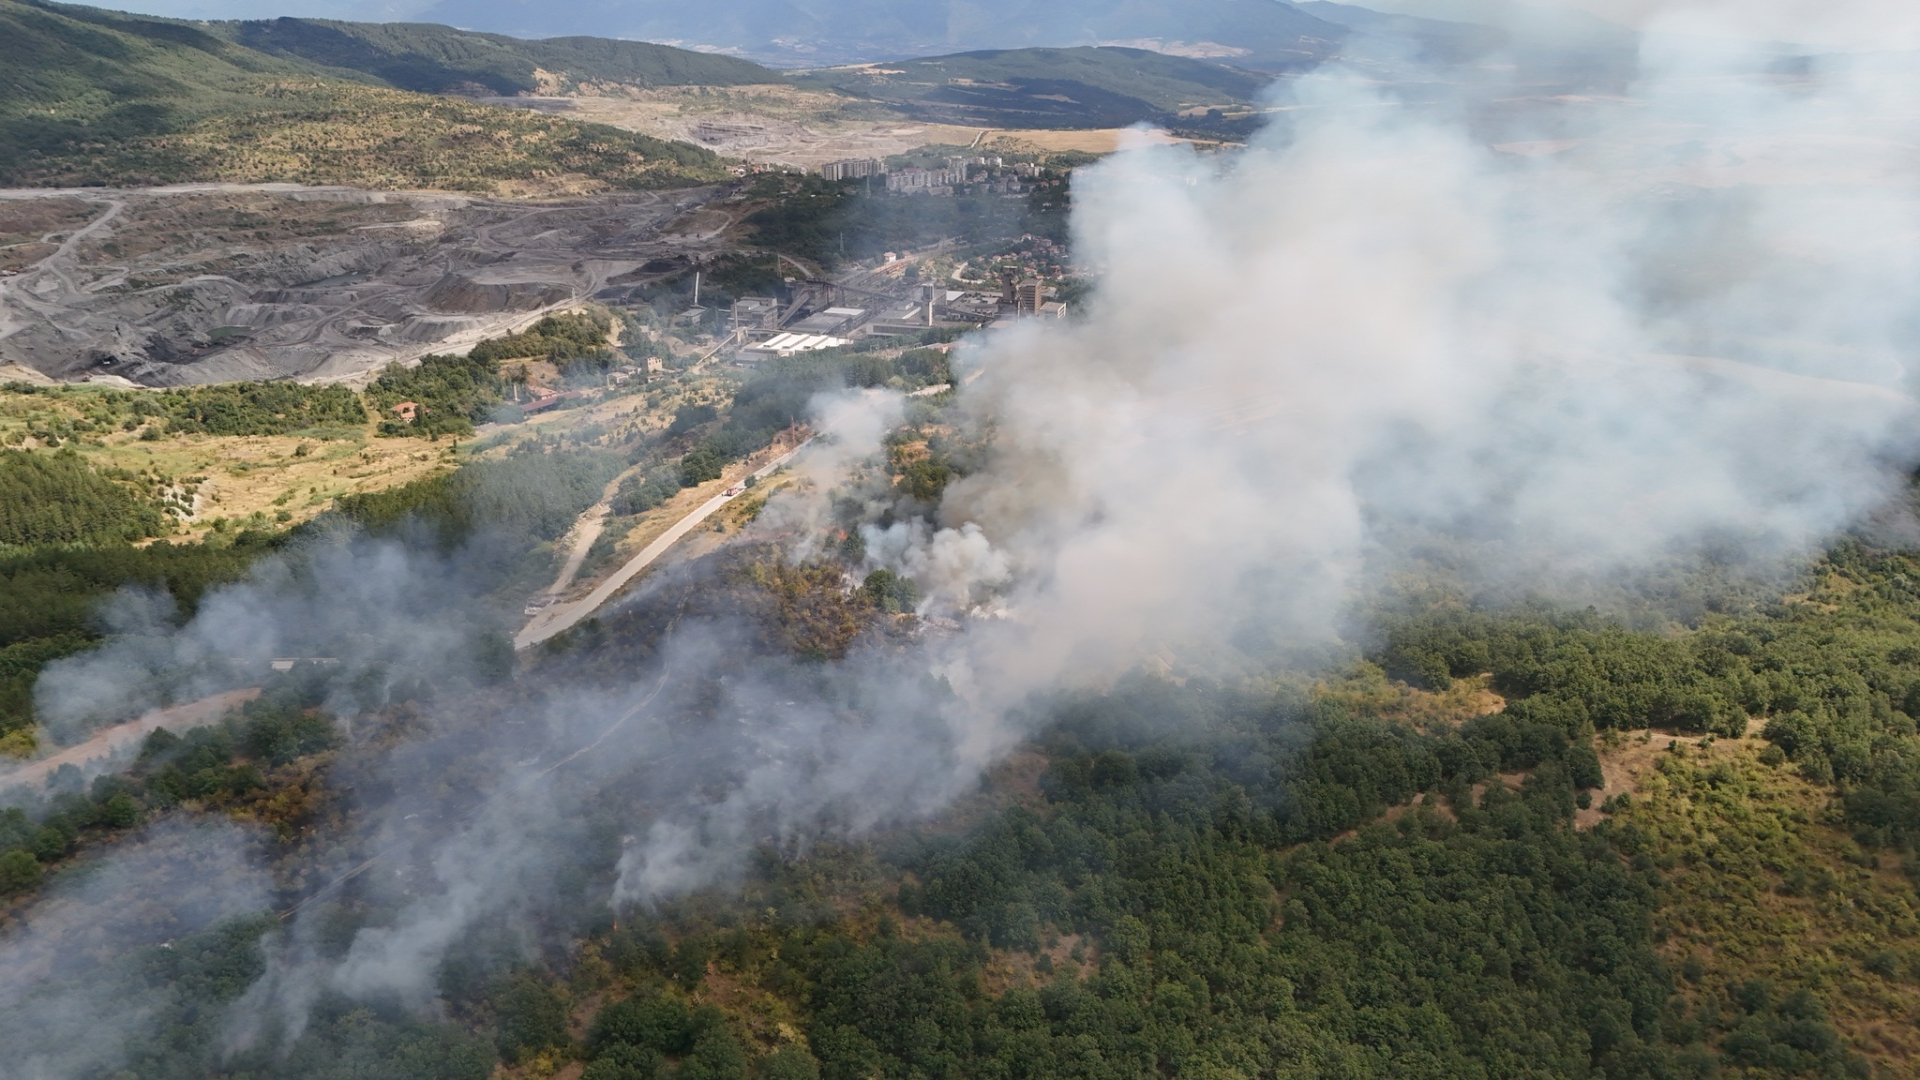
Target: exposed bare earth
{"x": 779, "y": 125}
{"x": 1628, "y": 758}
{"x": 564, "y": 616}
{"x": 1087, "y": 141}
{"x": 212, "y": 283}
{"x": 784, "y": 125}
{"x": 105, "y": 746}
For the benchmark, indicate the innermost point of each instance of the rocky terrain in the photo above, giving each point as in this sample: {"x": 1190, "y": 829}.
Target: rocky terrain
{"x": 213, "y": 283}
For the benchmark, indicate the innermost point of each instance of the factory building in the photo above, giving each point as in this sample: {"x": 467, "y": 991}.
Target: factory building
{"x": 756, "y": 313}
{"x": 790, "y": 344}
{"x": 834, "y": 321}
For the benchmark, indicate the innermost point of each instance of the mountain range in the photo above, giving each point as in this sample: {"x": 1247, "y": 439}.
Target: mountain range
{"x": 94, "y": 96}
{"x": 1265, "y": 34}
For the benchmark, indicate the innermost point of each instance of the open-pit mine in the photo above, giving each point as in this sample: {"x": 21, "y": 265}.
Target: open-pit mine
{"x": 216, "y": 283}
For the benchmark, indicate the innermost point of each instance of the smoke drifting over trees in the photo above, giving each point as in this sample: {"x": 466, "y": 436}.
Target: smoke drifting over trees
{"x": 1632, "y": 328}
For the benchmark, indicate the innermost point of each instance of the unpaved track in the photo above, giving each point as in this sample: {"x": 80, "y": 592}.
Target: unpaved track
{"x": 111, "y": 743}
{"x": 563, "y": 617}
{"x": 586, "y": 531}
{"x": 21, "y": 288}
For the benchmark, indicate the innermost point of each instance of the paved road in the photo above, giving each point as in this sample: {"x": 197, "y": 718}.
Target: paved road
{"x": 563, "y": 617}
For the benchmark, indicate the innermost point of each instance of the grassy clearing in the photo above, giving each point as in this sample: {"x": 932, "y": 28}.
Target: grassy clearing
{"x": 229, "y": 481}
{"x": 1366, "y": 691}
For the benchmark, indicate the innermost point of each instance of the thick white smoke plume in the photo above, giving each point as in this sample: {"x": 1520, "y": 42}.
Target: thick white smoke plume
{"x": 1584, "y": 332}
{"x": 1688, "y": 320}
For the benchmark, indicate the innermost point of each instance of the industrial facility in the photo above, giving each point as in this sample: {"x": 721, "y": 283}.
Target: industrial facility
{"x": 1030, "y": 297}
{"x": 889, "y": 301}
{"x": 790, "y": 344}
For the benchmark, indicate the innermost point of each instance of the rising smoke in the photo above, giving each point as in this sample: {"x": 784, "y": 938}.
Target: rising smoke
{"x": 1689, "y": 323}
{"x": 71, "y": 985}
{"x": 1630, "y": 326}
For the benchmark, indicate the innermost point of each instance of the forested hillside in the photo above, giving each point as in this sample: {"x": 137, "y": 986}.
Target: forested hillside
{"x": 90, "y": 97}
{"x": 1043, "y": 88}
{"x": 1664, "y": 831}
{"x": 440, "y": 59}
{"x": 1342, "y": 877}
{"x": 1266, "y": 33}
{"x": 1667, "y": 837}
{"x": 51, "y": 499}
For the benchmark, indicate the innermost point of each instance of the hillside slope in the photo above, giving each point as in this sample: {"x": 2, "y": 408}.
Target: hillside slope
{"x": 1434, "y": 40}
{"x": 1079, "y": 87}
{"x": 1535, "y": 44}
{"x": 440, "y": 59}
{"x": 1264, "y": 33}
{"x": 92, "y": 97}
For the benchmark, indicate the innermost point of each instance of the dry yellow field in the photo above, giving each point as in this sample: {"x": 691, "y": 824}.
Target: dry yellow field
{"x": 266, "y": 479}
{"x": 786, "y": 125}
{"x": 233, "y": 481}
{"x": 1090, "y": 141}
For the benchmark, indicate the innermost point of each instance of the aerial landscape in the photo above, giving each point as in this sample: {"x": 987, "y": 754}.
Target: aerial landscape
{"x": 777, "y": 540}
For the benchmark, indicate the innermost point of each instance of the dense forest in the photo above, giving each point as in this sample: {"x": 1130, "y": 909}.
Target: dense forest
{"x": 518, "y": 500}
{"x": 563, "y": 338}
{"x": 57, "y": 498}
{"x": 224, "y": 768}
{"x": 450, "y": 394}
{"x": 274, "y": 408}
{"x": 1195, "y": 879}
{"x": 50, "y": 596}
{"x": 226, "y": 409}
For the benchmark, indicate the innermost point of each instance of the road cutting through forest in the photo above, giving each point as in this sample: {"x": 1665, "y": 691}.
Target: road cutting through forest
{"x": 561, "y": 617}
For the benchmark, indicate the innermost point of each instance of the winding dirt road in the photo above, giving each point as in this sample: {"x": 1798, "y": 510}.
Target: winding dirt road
{"x": 113, "y": 742}
{"x": 563, "y": 617}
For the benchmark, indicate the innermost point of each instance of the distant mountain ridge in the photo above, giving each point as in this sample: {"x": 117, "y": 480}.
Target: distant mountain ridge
{"x": 435, "y": 59}
{"x": 1265, "y": 34}
{"x": 1084, "y": 87}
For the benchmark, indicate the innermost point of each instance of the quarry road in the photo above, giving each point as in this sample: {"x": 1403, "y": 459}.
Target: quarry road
{"x": 110, "y": 743}
{"x": 563, "y": 617}
{"x": 25, "y": 288}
